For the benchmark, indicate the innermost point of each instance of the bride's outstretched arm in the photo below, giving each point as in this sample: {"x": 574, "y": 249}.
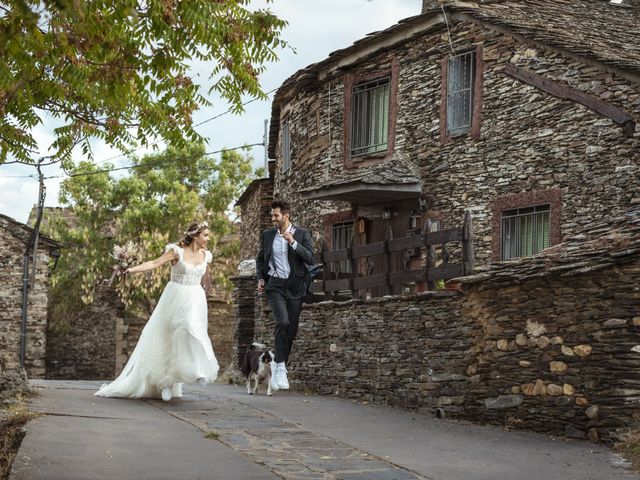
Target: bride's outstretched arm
{"x": 167, "y": 256}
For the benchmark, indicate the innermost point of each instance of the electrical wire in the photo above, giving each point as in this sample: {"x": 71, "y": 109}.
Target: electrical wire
{"x": 151, "y": 163}
{"x": 446, "y": 21}
{"x": 99, "y": 162}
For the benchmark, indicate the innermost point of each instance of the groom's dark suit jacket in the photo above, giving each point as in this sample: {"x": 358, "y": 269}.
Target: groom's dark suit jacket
{"x": 298, "y": 259}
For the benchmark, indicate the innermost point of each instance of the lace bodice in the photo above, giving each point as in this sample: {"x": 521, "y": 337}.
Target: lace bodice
{"x": 186, "y": 273}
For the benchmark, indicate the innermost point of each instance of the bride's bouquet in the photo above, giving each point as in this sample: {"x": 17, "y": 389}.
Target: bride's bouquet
{"x": 125, "y": 256}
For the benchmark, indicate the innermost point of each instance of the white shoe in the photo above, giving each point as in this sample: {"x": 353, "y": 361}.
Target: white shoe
{"x": 166, "y": 394}
{"x": 274, "y": 381}
{"x": 281, "y": 377}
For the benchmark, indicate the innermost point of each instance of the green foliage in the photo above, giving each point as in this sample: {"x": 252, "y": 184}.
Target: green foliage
{"x": 118, "y": 70}
{"x": 151, "y": 208}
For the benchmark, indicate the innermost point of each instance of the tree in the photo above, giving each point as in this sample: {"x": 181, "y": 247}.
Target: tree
{"x": 151, "y": 207}
{"x": 118, "y": 70}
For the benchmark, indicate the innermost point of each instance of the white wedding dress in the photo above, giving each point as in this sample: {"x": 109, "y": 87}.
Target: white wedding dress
{"x": 174, "y": 347}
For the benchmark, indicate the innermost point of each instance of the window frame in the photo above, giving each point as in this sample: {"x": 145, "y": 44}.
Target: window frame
{"x": 516, "y": 215}
{"x": 473, "y": 131}
{"x": 502, "y": 203}
{"x": 463, "y": 128}
{"x": 352, "y": 79}
{"x": 363, "y": 123}
{"x": 345, "y": 265}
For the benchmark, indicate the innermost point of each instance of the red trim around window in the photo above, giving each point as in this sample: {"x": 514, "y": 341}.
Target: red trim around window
{"x": 350, "y": 80}
{"x": 331, "y": 218}
{"x": 552, "y": 197}
{"x": 476, "y": 116}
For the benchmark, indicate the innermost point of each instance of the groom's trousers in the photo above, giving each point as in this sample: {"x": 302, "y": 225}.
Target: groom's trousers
{"x": 286, "y": 312}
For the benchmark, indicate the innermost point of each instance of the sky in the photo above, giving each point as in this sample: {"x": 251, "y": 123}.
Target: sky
{"x": 315, "y": 29}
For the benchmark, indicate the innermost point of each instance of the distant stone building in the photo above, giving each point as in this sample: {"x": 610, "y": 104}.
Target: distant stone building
{"x": 14, "y": 237}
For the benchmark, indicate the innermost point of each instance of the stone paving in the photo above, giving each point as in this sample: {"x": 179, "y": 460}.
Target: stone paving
{"x": 289, "y": 450}
{"x": 219, "y": 432}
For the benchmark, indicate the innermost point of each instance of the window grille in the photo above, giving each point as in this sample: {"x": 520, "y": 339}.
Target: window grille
{"x": 460, "y": 80}
{"x": 343, "y": 238}
{"x": 525, "y": 231}
{"x": 370, "y": 117}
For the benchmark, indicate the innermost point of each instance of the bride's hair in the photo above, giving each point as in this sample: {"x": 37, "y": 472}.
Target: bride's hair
{"x": 192, "y": 232}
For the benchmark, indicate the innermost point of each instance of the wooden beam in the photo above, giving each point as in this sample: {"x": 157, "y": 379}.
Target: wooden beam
{"x": 333, "y": 285}
{"x": 367, "y": 250}
{"x": 402, "y": 243}
{"x": 408, "y": 276}
{"x": 335, "y": 255}
{"x": 468, "y": 259}
{"x": 445, "y": 273}
{"x": 443, "y": 236}
{"x": 369, "y": 282}
{"x": 560, "y": 90}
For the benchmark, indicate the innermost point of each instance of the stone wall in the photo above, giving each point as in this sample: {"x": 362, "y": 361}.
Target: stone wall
{"x": 13, "y": 238}
{"x": 221, "y": 331}
{"x": 530, "y": 141}
{"x": 556, "y": 353}
{"x": 255, "y": 209}
{"x": 84, "y": 348}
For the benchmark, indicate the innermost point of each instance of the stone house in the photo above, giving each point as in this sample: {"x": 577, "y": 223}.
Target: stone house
{"x": 521, "y": 112}
{"x": 14, "y": 237}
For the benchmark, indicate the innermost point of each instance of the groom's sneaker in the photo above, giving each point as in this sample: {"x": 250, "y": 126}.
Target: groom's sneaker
{"x": 166, "y": 394}
{"x": 281, "y": 377}
{"x": 274, "y": 380}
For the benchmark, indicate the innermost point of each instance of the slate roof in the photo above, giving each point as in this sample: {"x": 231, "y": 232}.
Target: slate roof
{"x": 24, "y": 232}
{"x": 394, "y": 172}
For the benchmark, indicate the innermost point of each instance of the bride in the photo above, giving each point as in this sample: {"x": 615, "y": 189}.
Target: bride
{"x": 174, "y": 347}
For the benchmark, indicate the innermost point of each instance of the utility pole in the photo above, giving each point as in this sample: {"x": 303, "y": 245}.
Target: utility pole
{"x": 31, "y": 250}
{"x": 265, "y": 141}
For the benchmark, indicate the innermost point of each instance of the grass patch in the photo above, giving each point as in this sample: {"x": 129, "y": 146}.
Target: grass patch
{"x": 212, "y": 435}
{"x": 629, "y": 447}
{"x": 12, "y": 420}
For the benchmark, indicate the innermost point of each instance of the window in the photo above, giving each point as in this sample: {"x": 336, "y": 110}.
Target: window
{"x": 342, "y": 237}
{"x": 286, "y": 148}
{"x": 525, "y": 231}
{"x": 460, "y": 88}
{"x": 370, "y": 117}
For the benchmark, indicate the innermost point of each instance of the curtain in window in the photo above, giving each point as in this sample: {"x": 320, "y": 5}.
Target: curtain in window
{"x": 525, "y": 231}
{"x": 460, "y": 93}
{"x": 370, "y": 117}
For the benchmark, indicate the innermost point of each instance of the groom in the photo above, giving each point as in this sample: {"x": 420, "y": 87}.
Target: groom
{"x": 281, "y": 271}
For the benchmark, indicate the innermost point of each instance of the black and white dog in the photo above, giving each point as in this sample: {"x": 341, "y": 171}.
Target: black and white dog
{"x": 257, "y": 367}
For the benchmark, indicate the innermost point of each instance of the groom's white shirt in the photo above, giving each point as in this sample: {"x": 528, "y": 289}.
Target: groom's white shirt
{"x": 279, "y": 266}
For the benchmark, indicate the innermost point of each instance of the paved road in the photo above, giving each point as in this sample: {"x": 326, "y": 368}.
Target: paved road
{"x": 220, "y": 432}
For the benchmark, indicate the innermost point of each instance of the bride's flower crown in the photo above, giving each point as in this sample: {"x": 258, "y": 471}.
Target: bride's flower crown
{"x": 196, "y": 229}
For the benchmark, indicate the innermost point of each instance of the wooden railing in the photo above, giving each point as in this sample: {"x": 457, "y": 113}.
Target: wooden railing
{"x": 334, "y": 281}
